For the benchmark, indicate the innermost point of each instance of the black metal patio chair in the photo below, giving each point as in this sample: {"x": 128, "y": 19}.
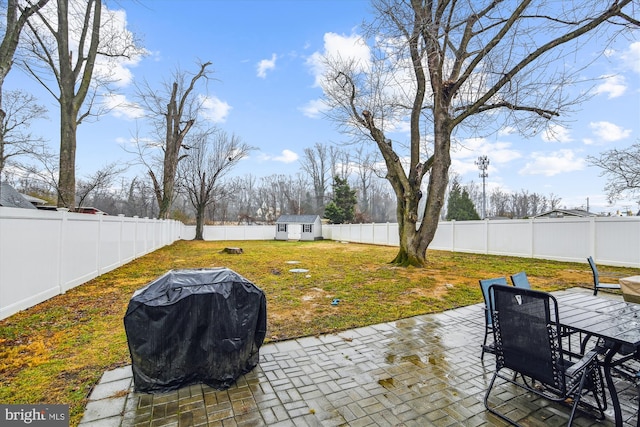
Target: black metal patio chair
{"x": 488, "y": 325}
{"x": 528, "y": 342}
{"x": 596, "y": 278}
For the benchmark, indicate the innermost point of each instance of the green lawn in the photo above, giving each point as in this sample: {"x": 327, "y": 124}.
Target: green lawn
{"x": 56, "y": 351}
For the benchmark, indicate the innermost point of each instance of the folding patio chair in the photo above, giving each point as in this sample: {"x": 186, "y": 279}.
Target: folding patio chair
{"x": 527, "y": 342}
{"x": 596, "y": 279}
{"x": 520, "y": 280}
{"x": 484, "y": 286}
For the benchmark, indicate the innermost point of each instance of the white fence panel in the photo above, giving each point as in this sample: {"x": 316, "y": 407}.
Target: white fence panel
{"x": 617, "y": 241}
{"x": 79, "y": 238}
{"x": 109, "y": 253}
{"x": 508, "y": 237}
{"x": 367, "y": 233}
{"x": 128, "y": 239}
{"x": 443, "y": 239}
{"x": 149, "y": 241}
{"x": 232, "y": 232}
{"x": 29, "y": 258}
{"x": 45, "y": 253}
{"x": 565, "y": 239}
{"x": 385, "y": 234}
{"x": 470, "y": 235}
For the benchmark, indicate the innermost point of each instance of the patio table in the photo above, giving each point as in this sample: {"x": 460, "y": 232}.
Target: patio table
{"x": 630, "y": 287}
{"x": 616, "y": 322}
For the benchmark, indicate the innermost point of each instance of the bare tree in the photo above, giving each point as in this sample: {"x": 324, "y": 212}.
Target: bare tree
{"x": 244, "y": 190}
{"x": 364, "y": 171}
{"x": 268, "y": 198}
{"x": 172, "y": 112}
{"x": 99, "y": 181}
{"x": 16, "y": 19}
{"x": 135, "y": 198}
{"x": 212, "y": 155}
{"x": 621, "y": 167}
{"x": 340, "y": 163}
{"x": 52, "y": 39}
{"x": 16, "y": 139}
{"x": 452, "y": 64}
{"x": 17, "y": 16}
{"x": 278, "y": 194}
{"x": 316, "y": 164}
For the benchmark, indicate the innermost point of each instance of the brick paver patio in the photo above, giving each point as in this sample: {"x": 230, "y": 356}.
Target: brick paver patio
{"x": 420, "y": 371}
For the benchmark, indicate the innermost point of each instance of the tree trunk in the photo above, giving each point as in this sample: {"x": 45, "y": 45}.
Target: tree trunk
{"x": 67, "y": 172}
{"x": 438, "y": 181}
{"x": 200, "y": 223}
{"x": 177, "y": 128}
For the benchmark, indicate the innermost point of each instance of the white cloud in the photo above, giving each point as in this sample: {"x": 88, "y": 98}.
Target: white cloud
{"x": 507, "y": 130}
{"x": 556, "y": 133}
{"x": 607, "y": 132}
{"x": 550, "y": 164}
{"x": 613, "y": 85}
{"x": 214, "y": 109}
{"x": 120, "y": 107}
{"x": 131, "y": 143}
{"x": 266, "y": 65}
{"x": 314, "y": 108}
{"x": 467, "y": 151}
{"x": 346, "y": 48}
{"x": 287, "y": 156}
{"x": 631, "y": 57}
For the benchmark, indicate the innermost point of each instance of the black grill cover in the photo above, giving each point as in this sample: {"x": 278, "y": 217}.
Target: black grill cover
{"x": 194, "y": 326}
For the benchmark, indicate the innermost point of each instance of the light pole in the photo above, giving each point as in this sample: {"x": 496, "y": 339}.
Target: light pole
{"x": 483, "y": 165}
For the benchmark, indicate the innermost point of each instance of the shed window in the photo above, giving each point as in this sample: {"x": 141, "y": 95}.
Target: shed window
{"x": 307, "y": 228}
{"x": 282, "y": 227}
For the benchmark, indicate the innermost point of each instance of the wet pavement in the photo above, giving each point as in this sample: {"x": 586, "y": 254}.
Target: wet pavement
{"x": 421, "y": 371}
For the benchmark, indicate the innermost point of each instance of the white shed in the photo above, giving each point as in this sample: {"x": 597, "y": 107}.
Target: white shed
{"x": 299, "y": 227}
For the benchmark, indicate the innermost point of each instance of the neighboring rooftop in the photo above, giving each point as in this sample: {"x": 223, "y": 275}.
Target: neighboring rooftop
{"x": 560, "y": 213}
{"x": 10, "y": 198}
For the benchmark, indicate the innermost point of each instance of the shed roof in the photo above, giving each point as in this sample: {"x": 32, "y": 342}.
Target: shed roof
{"x": 10, "y": 198}
{"x": 566, "y": 212}
{"x": 305, "y": 219}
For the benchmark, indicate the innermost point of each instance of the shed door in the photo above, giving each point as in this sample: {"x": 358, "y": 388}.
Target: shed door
{"x": 295, "y": 231}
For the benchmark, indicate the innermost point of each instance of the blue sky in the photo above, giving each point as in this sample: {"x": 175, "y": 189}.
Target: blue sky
{"x": 265, "y": 92}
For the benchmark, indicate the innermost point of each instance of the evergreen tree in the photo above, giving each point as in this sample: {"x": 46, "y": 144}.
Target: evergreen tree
{"x": 342, "y": 208}
{"x": 460, "y": 207}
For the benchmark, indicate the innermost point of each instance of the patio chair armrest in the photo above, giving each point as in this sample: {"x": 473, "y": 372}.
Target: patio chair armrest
{"x": 586, "y": 360}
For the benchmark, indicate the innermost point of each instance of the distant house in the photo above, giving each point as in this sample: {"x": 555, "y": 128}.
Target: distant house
{"x": 10, "y": 198}
{"x": 299, "y": 227}
{"x": 566, "y": 213}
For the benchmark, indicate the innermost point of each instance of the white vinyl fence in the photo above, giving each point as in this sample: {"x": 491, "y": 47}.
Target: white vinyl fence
{"x": 231, "y": 232}
{"x": 611, "y": 241}
{"x": 46, "y": 253}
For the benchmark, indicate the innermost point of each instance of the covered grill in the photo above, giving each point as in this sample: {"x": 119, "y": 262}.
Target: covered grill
{"x": 194, "y": 326}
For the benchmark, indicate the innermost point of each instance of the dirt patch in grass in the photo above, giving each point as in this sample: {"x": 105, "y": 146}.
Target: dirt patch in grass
{"x": 56, "y": 351}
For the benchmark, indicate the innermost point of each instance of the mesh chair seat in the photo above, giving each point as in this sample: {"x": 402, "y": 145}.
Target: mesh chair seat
{"x": 520, "y": 280}
{"x": 485, "y": 284}
{"x": 528, "y": 342}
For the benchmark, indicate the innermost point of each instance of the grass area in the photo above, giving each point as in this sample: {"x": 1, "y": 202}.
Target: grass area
{"x": 56, "y": 351}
